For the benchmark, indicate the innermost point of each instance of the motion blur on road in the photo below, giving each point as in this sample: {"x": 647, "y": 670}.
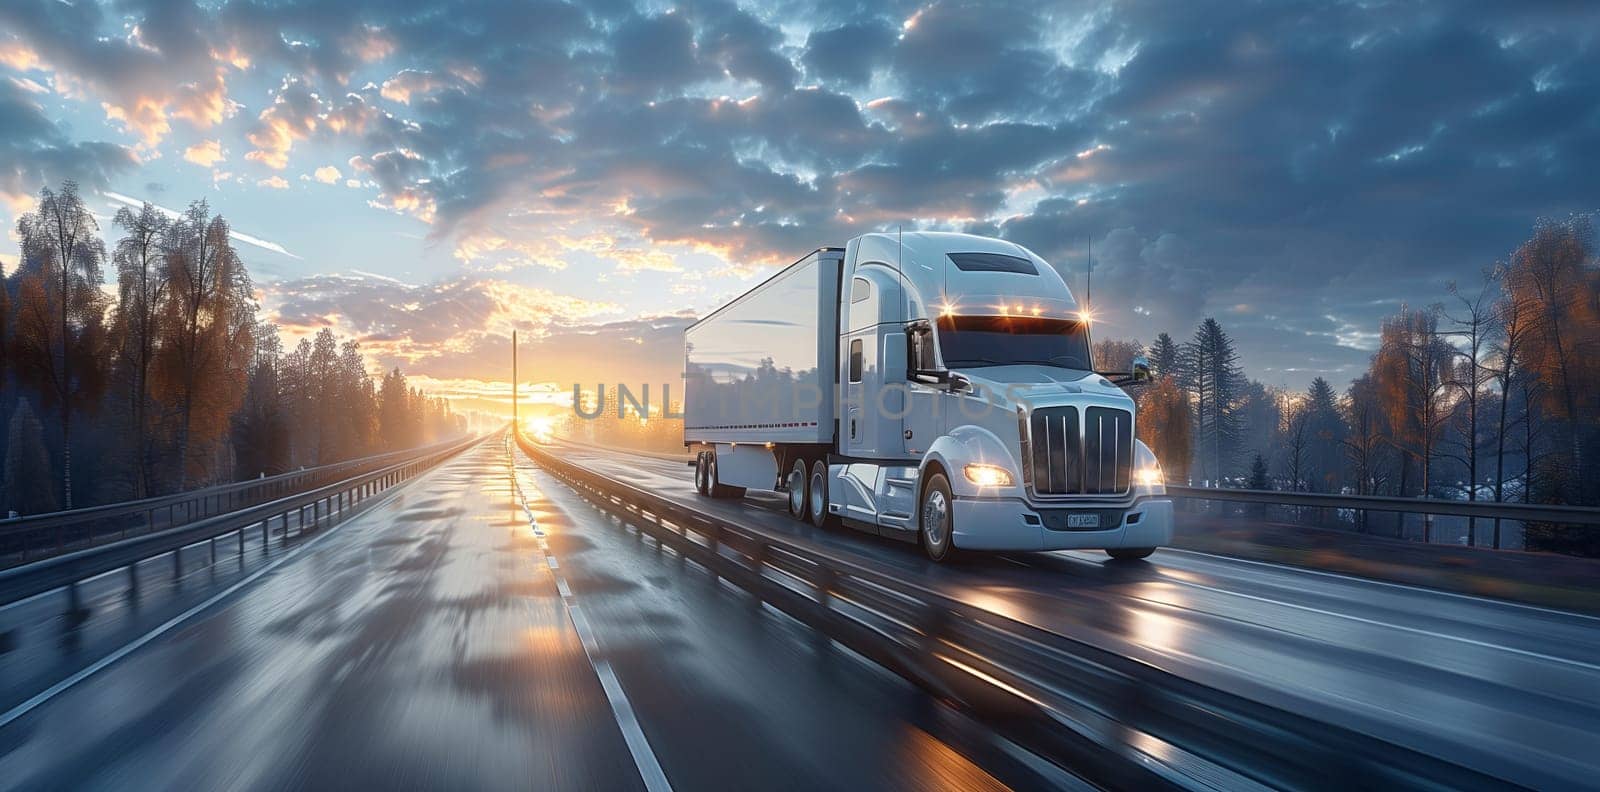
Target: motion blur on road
{"x": 484, "y": 626}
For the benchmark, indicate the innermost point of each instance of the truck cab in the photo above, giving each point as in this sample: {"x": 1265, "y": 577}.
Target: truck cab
{"x": 971, "y": 416}
{"x": 933, "y": 387}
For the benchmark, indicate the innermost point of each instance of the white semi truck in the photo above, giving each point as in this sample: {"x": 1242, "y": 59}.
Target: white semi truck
{"x": 933, "y": 387}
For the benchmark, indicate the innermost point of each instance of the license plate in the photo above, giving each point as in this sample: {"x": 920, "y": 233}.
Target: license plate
{"x": 1083, "y": 521}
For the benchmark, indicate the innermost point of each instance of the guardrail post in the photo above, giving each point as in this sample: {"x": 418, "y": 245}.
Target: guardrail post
{"x": 177, "y": 563}
{"x": 133, "y": 579}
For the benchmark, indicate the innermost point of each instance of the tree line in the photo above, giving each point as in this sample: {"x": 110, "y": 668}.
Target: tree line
{"x": 1490, "y": 394}
{"x": 174, "y": 382}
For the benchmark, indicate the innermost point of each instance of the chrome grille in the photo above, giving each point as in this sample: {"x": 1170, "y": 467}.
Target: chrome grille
{"x": 1091, "y": 457}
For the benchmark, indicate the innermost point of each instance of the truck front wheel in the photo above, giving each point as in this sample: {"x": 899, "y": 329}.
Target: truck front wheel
{"x": 1129, "y": 553}
{"x": 936, "y": 518}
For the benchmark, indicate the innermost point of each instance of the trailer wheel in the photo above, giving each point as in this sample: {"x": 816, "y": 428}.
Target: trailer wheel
{"x": 797, "y": 482}
{"x": 702, "y": 474}
{"x": 936, "y": 520}
{"x": 818, "y": 502}
{"x": 718, "y": 489}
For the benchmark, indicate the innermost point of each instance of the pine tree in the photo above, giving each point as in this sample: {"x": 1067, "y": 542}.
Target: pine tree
{"x": 1258, "y": 473}
{"x": 1210, "y": 372}
{"x": 1164, "y": 355}
{"x": 1325, "y": 444}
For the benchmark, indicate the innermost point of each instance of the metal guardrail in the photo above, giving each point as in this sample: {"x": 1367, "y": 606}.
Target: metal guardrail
{"x": 1483, "y": 510}
{"x": 23, "y": 539}
{"x": 329, "y": 503}
{"x": 1117, "y": 721}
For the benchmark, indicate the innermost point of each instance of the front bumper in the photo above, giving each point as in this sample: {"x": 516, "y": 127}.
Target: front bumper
{"x": 1011, "y": 524}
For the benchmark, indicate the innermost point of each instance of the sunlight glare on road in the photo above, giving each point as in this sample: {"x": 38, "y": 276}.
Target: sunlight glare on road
{"x": 540, "y": 428}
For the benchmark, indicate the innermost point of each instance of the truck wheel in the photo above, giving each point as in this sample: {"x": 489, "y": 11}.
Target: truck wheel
{"x": 936, "y": 519}
{"x": 718, "y": 489}
{"x": 798, "y": 478}
{"x": 702, "y": 474}
{"x": 1129, "y": 553}
{"x": 819, "y": 496}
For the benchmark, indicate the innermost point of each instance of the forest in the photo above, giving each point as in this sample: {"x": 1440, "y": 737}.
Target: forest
{"x": 174, "y": 381}
{"x": 1492, "y": 394}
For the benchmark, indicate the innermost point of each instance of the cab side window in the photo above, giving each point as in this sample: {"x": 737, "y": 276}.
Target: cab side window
{"x": 921, "y": 354}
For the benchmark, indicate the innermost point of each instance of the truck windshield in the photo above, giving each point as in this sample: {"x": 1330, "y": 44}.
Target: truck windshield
{"x": 968, "y": 341}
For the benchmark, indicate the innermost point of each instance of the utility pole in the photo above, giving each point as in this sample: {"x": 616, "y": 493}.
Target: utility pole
{"x": 514, "y": 424}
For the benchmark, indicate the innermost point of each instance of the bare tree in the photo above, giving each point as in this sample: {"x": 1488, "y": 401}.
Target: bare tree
{"x": 1505, "y": 369}
{"x": 1298, "y": 438}
{"x": 209, "y": 316}
{"x": 59, "y": 240}
{"x": 1413, "y": 376}
{"x": 1553, "y": 277}
{"x": 141, "y": 287}
{"x": 1474, "y": 324}
{"x": 1367, "y": 438}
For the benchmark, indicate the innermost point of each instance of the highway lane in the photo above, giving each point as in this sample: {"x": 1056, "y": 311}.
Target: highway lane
{"x": 439, "y": 641}
{"x": 1506, "y": 689}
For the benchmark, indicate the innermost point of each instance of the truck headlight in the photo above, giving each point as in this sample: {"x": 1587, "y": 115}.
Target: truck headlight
{"x": 988, "y": 475}
{"x": 1149, "y": 477}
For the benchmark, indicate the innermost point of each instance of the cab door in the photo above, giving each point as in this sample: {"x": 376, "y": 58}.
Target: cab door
{"x": 852, "y": 423}
{"x": 923, "y": 421}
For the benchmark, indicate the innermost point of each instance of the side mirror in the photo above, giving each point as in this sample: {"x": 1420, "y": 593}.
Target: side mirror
{"x": 959, "y": 383}
{"x": 1141, "y": 368}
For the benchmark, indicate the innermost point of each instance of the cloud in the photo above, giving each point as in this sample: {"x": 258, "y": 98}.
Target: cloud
{"x": 849, "y": 53}
{"x": 35, "y": 152}
{"x": 326, "y": 174}
{"x": 446, "y": 328}
{"x": 206, "y": 153}
{"x": 273, "y": 182}
{"x": 144, "y": 74}
{"x": 1329, "y": 156}
{"x": 410, "y": 82}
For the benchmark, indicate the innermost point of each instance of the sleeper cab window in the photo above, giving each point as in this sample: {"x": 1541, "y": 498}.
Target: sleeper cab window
{"x": 855, "y": 360}
{"x": 860, "y": 290}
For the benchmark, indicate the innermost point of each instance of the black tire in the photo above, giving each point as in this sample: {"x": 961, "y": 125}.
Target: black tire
{"x": 936, "y": 522}
{"x": 798, "y": 482}
{"x": 702, "y": 473}
{"x": 1129, "y": 553}
{"x": 719, "y": 489}
{"x": 817, "y": 502}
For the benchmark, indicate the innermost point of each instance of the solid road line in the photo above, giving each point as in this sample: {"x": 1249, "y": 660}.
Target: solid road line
{"x": 644, "y": 759}
{"x": 1291, "y": 569}
{"x": 60, "y": 687}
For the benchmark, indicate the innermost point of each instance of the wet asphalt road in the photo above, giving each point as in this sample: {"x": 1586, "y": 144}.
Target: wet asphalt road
{"x": 1510, "y": 690}
{"x": 441, "y": 641}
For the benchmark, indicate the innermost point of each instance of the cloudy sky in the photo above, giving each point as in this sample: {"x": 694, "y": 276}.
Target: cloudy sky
{"x": 429, "y": 175}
